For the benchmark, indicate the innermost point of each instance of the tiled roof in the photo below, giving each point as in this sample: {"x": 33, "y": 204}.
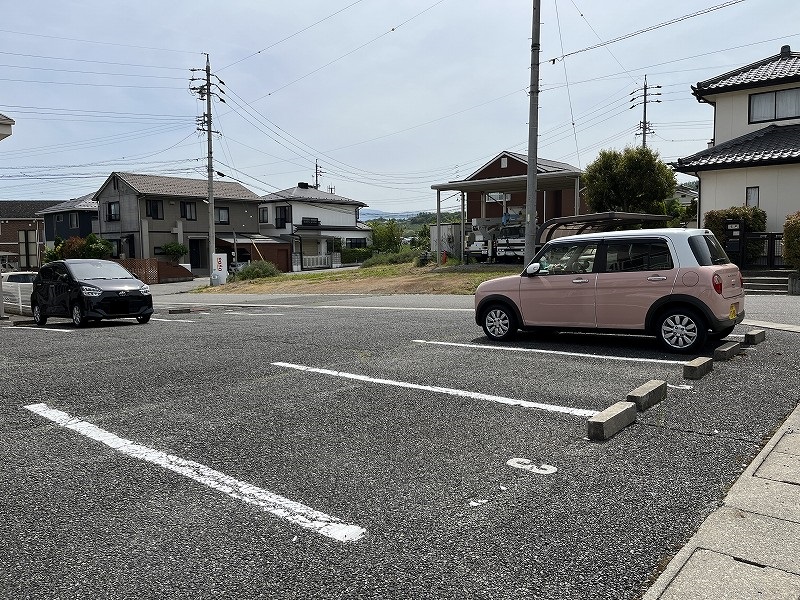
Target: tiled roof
{"x": 24, "y": 209}
{"x": 86, "y": 202}
{"x": 771, "y": 145}
{"x": 781, "y": 68}
{"x": 544, "y": 165}
{"x": 180, "y": 187}
{"x": 4, "y": 120}
{"x": 308, "y": 193}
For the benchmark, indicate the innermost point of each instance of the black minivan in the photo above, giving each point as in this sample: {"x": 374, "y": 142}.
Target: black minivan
{"x": 87, "y": 289}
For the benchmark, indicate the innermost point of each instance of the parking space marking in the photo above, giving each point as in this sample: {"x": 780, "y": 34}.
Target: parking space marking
{"x": 173, "y": 320}
{"x": 246, "y": 314}
{"x": 292, "y": 511}
{"x": 34, "y": 328}
{"x": 579, "y": 412}
{"x": 556, "y": 352}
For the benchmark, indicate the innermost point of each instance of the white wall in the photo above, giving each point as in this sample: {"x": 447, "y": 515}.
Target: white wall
{"x": 779, "y": 191}
{"x": 732, "y": 113}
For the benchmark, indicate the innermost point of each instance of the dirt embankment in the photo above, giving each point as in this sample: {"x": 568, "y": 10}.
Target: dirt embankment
{"x": 461, "y": 279}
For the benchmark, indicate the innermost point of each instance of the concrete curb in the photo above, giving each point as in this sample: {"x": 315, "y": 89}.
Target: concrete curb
{"x": 697, "y": 368}
{"x": 606, "y": 424}
{"x": 755, "y": 336}
{"x": 649, "y": 394}
{"x": 727, "y": 351}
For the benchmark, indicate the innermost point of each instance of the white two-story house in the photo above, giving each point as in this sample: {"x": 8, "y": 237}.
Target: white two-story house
{"x": 317, "y": 222}
{"x": 754, "y": 158}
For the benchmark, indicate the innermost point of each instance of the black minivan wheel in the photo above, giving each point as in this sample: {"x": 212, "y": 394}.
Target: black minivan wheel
{"x": 77, "y": 316}
{"x": 38, "y": 316}
{"x": 499, "y": 322}
{"x": 681, "y": 330}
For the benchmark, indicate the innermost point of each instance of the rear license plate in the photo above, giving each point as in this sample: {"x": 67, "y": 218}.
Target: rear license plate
{"x": 732, "y": 312}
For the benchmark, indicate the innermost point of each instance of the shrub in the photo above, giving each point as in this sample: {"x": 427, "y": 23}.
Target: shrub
{"x": 791, "y": 240}
{"x": 753, "y": 219}
{"x": 175, "y": 250}
{"x": 258, "y": 269}
{"x": 355, "y": 255}
{"x": 75, "y": 247}
{"x": 407, "y": 255}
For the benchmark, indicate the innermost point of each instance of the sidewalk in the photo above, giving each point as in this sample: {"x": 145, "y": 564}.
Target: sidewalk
{"x": 750, "y": 546}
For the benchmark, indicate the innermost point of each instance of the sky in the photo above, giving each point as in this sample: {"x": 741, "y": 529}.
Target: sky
{"x": 386, "y": 97}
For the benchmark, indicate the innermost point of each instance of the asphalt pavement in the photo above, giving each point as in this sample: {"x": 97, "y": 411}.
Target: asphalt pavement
{"x": 750, "y": 546}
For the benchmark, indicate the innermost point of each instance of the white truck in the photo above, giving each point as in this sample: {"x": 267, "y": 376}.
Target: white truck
{"x": 499, "y": 238}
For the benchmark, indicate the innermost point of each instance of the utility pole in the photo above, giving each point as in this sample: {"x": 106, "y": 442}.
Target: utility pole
{"x": 643, "y": 100}
{"x": 317, "y": 172}
{"x": 531, "y": 230}
{"x": 205, "y": 92}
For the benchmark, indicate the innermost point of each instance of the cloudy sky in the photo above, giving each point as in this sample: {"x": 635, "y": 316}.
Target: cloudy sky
{"x": 388, "y": 97}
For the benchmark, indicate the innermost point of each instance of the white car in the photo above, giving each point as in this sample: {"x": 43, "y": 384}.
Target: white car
{"x": 18, "y": 276}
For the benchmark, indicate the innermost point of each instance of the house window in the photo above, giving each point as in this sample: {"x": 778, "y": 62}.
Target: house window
{"x": 222, "y": 216}
{"x": 112, "y": 211}
{"x": 283, "y": 215}
{"x": 73, "y": 220}
{"x": 263, "y": 215}
{"x": 495, "y": 197}
{"x": 154, "y": 209}
{"x": 751, "y": 196}
{"x": 355, "y": 242}
{"x": 59, "y": 218}
{"x": 504, "y": 162}
{"x": 774, "y": 106}
{"x": 189, "y": 211}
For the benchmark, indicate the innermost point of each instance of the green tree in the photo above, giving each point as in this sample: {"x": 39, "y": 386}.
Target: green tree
{"x": 634, "y": 180}
{"x": 386, "y": 235}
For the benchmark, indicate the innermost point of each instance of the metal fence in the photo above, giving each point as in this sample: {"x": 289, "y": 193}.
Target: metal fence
{"x": 760, "y": 250}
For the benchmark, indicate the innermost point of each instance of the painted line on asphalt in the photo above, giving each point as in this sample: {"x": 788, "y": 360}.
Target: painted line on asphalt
{"x": 292, "y": 511}
{"x": 246, "y": 314}
{"x": 768, "y": 325}
{"x": 580, "y": 412}
{"x": 556, "y": 352}
{"x": 35, "y": 328}
{"x": 173, "y": 320}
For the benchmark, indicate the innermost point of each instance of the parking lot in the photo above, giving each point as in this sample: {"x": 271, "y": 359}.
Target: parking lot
{"x": 358, "y": 447}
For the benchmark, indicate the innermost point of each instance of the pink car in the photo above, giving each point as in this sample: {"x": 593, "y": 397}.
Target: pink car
{"x": 675, "y": 284}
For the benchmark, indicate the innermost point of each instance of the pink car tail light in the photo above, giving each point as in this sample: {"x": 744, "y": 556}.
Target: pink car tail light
{"x": 716, "y": 281}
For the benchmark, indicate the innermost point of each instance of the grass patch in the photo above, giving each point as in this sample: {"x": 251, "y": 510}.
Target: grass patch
{"x": 379, "y": 279}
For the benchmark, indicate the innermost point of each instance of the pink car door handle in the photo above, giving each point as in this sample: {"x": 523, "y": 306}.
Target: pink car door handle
{"x": 656, "y": 278}
{"x": 580, "y": 281}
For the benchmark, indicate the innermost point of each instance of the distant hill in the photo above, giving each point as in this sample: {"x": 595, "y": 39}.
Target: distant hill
{"x": 370, "y": 214}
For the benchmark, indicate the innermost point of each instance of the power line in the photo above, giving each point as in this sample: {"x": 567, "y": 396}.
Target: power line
{"x": 647, "y": 29}
{"x": 288, "y": 37}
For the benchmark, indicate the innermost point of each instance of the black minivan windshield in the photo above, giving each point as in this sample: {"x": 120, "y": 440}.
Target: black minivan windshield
{"x": 100, "y": 269}
{"x": 707, "y": 250}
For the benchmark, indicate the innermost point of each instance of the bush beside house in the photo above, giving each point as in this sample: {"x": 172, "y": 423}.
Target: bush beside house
{"x": 791, "y": 250}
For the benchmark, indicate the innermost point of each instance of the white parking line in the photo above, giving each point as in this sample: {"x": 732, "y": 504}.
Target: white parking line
{"x": 173, "y": 320}
{"x": 25, "y": 328}
{"x": 556, "y": 352}
{"x": 246, "y": 314}
{"x": 580, "y": 412}
{"x": 279, "y": 506}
